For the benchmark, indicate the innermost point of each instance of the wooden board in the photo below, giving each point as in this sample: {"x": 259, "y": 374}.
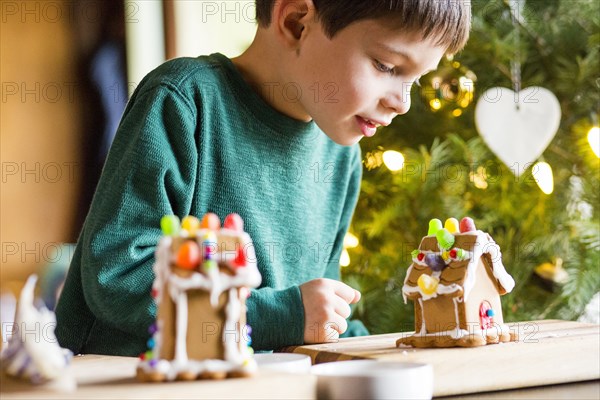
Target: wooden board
{"x": 547, "y": 352}
{"x": 110, "y": 377}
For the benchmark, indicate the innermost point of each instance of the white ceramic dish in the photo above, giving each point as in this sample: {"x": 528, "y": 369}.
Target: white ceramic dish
{"x": 370, "y": 379}
{"x": 284, "y": 362}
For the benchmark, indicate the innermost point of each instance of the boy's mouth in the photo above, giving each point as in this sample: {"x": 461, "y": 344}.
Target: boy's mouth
{"x": 367, "y": 126}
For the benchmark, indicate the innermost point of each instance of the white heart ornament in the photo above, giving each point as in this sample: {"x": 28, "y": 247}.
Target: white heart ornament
{"x": 517, "y": 127}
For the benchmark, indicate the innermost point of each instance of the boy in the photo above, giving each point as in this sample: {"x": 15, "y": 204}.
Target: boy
{"x": 272, "y": 135}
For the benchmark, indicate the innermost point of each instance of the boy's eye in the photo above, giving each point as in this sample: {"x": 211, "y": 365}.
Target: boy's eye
{"x": 383, "y": 68}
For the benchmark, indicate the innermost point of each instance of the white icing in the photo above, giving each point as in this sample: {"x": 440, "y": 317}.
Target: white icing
{"x": 238, "y": 356}
{"x": 423, "y": 329}
{"x": 441, "y": 290}
{"x": 456, "y": 319}
{"x": 217, "y": 283}
{"x": 406, "y": 288}
{"x": 232, "y": 312}
{"x": 33, "y": 351}
{"x": 172, "y": 368}
{"x": 486, "y": 245}
{"x": 494, "y": 331}
{"x": 181, "y": 327}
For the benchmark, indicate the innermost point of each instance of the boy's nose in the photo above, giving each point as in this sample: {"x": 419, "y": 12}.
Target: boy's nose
{"x": 398, "y": 100}
{"x": 398, "y": 103}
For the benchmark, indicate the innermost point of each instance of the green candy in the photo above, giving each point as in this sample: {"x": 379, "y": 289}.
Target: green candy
{"x": 209, "y": 265}
{"x": 434, "y": 226}
{"x": 170, "y": 225}
{"x": 415, "y": 253}
{"x": 445, "y": 238}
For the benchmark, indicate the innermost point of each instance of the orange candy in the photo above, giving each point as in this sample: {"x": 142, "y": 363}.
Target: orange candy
{"x": 189, "y": 255}
{"x": 211, "y": 221}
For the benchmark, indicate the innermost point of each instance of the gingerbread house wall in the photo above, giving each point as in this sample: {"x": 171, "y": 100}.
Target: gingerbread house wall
{"x": 483, "y": 290}
{"x": 204, "y": 339}
{"x": 439, "y": 314}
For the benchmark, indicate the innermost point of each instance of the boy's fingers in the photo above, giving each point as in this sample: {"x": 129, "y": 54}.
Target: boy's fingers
{"x": 342, "y": 308}
{"x": 332, "y": 334}
{"x": 338, "y": 324}
{"x": 357, "y": 296}
{"x": 346, "y": 293}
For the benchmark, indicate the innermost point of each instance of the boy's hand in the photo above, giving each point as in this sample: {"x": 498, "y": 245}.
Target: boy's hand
{"x": 326, "y": 307}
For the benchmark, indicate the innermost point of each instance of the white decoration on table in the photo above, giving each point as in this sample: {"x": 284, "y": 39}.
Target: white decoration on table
{"x": 518, "y": 127}
{"x": 33, "y": 351}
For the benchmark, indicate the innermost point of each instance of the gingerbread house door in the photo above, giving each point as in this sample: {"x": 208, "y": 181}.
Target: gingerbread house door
{"x": 486, "y": 315}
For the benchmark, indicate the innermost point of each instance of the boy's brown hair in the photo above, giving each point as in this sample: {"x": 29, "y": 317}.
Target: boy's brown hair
{"x": 447, "y": 21}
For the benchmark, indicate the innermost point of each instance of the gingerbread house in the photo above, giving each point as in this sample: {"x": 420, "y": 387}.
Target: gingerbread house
{"x": 203, "y": 276}
{"x": 456, "y": 280}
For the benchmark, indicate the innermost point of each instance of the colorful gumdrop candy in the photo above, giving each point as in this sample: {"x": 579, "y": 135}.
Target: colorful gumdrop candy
{"x": 234, "y": 222}
{"x": 435, "y": 262}
{"x": 428, "y": 284}
{"x": 445, "y": 238}
{"x": 188, "y": 255}
{"x": 467, "y": 225}
{"x": 434, "y": 226}
{"x": 211, "y": 221}
{"x": 169, "y": 224}
{"x": 190, "y": 224}
{"x": 451, "y": 225}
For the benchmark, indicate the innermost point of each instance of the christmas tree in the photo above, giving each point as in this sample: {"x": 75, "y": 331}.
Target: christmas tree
{"x": 433, "y": 163}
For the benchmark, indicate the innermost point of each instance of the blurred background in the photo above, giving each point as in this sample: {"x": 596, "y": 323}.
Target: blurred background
{"x": 66, "y": 71}
{"x": 68, "y": 67}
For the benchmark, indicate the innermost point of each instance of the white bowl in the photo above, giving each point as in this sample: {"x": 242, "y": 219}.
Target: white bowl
{"x": 284, "y": 362}
{"x": 370, "y": 379}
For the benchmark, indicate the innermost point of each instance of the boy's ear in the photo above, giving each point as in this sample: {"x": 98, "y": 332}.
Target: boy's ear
{"x": 290, "y": 19}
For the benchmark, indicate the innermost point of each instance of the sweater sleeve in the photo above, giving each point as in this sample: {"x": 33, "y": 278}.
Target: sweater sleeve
{"x": 333, "y": 267}
{"x": 355, "y": 327}
{"x": 277, "y": 316}
{"x": 150, "y": 172}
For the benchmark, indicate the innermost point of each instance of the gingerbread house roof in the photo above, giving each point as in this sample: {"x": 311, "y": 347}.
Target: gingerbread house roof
{"x": 232, "y": 252}
{"x": 457, "y": 278}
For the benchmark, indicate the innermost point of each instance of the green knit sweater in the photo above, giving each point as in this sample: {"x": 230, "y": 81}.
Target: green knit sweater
{"x": 196, "y": 138}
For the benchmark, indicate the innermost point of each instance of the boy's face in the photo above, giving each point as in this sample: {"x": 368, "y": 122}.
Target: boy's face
{"x": 361, "y": 78}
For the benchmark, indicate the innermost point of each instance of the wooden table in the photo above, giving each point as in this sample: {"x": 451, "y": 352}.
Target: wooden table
{"x": 108, "y": 377}
{"x": 547, "y": 352}
{"x": 105, "y": 377}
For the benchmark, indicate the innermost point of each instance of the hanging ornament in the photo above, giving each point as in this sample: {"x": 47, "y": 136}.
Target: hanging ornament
{"x": 517, "y": 125}
{"x": 449, "y": 89}
{"x": 552, "y": 274}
